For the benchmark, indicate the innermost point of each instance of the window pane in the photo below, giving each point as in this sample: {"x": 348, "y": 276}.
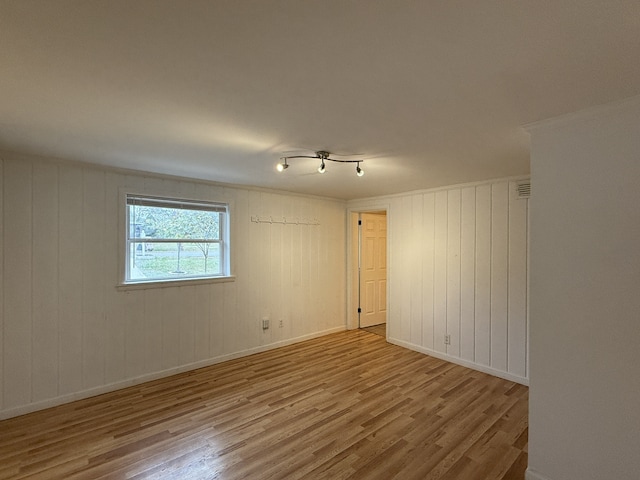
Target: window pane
{"x": 170, "y": 239}
{"x": 149, "y": 260}
{"x": 170, "y": 223}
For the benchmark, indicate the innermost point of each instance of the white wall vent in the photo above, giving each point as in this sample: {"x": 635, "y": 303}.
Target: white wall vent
{"x": 524, "y": 189}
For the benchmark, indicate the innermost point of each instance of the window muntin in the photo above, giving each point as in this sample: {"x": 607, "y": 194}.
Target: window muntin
{"x": 174, "y": 239}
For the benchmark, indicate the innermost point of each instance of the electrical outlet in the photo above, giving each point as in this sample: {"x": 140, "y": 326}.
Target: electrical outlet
{"x": 281, "y": 324}
{"x": 447, "y": 339}
{"x": 265, "y": 323}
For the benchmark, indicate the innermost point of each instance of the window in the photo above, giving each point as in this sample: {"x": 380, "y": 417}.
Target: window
{"x": 172, "y": 239}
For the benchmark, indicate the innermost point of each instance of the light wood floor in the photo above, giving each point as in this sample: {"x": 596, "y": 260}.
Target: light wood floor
{"x": 377, "y": 329}
{"x": 347, "y": 405}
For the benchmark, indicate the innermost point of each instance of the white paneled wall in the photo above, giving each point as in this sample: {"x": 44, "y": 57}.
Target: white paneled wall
{"x": 458, "y": 267}
{"x": 67, "y": 332}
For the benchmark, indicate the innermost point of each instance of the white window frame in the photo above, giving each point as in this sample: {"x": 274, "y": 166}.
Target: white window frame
{"x": 169, "y": 201}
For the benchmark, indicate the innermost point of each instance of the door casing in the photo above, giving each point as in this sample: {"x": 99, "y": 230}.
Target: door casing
{"x": 353, "y": 261}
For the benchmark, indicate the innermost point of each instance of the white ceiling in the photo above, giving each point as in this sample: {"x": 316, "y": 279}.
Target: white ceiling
{"x": 429, "y": 92}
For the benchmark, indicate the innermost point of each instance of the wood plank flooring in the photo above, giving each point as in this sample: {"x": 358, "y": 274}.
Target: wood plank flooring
{"x": 344, "y": 406}
{"x": 377, "y": 329}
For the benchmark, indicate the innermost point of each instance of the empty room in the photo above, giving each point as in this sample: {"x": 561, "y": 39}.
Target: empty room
{"x": 265, "y": 239}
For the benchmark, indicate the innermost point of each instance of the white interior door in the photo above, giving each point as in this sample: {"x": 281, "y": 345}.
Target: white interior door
{"x": 373, "y": 269}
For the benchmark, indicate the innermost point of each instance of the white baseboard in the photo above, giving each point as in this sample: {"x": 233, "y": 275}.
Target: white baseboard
{"x": 91, "y": 392}
{"x": 532, "y": 475}
{"x": 460, "y": 361}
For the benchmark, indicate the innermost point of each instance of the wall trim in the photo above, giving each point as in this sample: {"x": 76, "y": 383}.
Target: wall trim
{"x": 593, "y": 112}
{"x": 91, "y": 392}
{"x": 533, "y": 475}
{"x": 351, "y": 281}
{"x": 357, "y": 201}
{"x": 465, "y": 363}
{"x": 77, "y": 163}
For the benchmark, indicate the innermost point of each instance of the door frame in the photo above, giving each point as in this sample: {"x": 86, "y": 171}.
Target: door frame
{"x": 353, "y": 251}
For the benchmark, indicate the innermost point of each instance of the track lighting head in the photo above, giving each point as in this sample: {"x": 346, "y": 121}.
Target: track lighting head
{"x": 359, "y": 171}
{"x": 282, "y": 166}
{"x": 321, "y": 168}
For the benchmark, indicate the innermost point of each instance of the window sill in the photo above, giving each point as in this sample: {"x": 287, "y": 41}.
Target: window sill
{"x": 173, "y": 283}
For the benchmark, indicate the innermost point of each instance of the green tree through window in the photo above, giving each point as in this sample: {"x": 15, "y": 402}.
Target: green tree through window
{"x": 166, "y": 236}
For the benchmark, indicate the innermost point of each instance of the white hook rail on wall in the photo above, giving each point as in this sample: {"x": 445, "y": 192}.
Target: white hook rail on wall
{"x": 284, "y": 220}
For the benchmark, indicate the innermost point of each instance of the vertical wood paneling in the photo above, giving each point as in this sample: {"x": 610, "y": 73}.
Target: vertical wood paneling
{"x": 457, "y": 260}
{"x": 153, "y": 322}
{"x": 296, "y": 304}
{"x": 217, "y": 322}
{"x": 517, "y": 313}
{"x": 338, "y": 235}
{"x": 244, "y": 249}
{"x": 70, "y": 254}
{"x": 186, "y": 317}
{"x": 103, "y": 336}
{"x": 336, "y": 223}
{"x": 335, "y": 218}
{"x": 45, "y": 283}
{"x": 150, "y": 184}
{"x": 257, "y": 250}
{"x": 275, "y": 306}
{"x": 135, "y": 333}
{"x": 248, "y": 330}
{"x": 394, "y": 264}
{"x": 268, "y": 236}
{"x": 313, "y": 300}
{"x": 326, "y": 266}
{"x": 453, "y": 271}
{"x": 428, "y": 258}
{"x": 93, "y": 348}
{"x": 89, "y": 334}
{"x": 323, "y": 275}
{"x": 262, "y": 245}
{"x": 404, "y": 299}
{"x": 472, "y": 254}
{"x": 114, "y": 314}
{"x": 285, "y": 272}
{"x": 416, "y": 269}
{"x": 231, "y": 320}
{"x": 2, "y": 177}
{"x": 483, "y": 276}
{"x": 467, "y": 273}
{"x": 405, "y": 292}
{"x": 298, "y": 273}
{"x": 499, "y": 274}
{"x": 171, "y": 322}
{"x": 202, "y": 315}
{"x": 17, "y": 291}
{"x": 440, "y": 272}
{"x": 304, "y": 267}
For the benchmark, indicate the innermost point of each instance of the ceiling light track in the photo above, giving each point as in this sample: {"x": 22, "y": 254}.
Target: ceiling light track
{"x": 323, "y": 156}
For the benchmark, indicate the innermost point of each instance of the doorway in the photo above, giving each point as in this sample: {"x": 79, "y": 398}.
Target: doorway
{"x": 372, "y": 272}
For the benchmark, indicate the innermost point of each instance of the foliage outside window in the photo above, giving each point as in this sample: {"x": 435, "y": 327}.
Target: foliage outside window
{"x": 171, "y": 239}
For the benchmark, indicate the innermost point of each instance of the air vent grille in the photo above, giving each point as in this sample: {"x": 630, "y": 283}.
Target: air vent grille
{"x": 524, "y": 189}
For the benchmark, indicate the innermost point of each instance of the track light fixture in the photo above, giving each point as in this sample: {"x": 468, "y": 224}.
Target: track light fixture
{"x": 323, "y": 156}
